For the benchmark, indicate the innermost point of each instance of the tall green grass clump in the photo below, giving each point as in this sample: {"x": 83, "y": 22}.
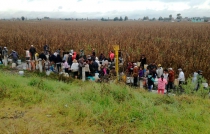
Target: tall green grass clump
{"x": 35, "y": 104}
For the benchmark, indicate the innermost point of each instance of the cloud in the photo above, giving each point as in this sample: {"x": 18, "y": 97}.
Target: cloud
{"x": 102, "y": 8}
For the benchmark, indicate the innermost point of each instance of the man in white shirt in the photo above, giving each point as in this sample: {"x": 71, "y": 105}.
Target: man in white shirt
{"x": 181, "y": 77}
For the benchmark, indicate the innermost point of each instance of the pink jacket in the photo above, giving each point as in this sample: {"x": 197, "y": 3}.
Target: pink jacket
{"x": 162, "y": 84}
{"x": 65, "y": 64}
{"x": 111, "y": 56}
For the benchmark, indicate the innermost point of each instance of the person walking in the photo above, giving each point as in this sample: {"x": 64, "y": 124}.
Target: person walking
{"x": 161, "y": 84}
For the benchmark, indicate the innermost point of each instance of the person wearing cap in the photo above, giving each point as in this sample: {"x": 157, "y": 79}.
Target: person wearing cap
{"x": 32, "y": 52}
{"x": 181, "y": 77}
{"x": 159, "y": 71}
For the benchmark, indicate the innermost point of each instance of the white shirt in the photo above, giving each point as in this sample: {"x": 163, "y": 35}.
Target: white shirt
{"x": 181, "y": 76}
{"x": 159, "y": 71}
{"x": 75, "y": 67}
{"x": 165, "y": 76}
{"x": 27, "y": 53}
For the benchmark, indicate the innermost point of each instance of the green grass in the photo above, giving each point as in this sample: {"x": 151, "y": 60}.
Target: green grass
{"x": 34, "y": 104}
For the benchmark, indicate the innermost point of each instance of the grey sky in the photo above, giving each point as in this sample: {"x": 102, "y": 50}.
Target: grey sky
{"x": 103, "y": 8}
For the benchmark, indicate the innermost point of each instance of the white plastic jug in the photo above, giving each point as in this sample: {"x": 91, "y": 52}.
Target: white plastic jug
{"x": 96, "y": 75}
{"x": 13, "y": 65}
{"x": 19, "y": 62}
{"x": 21, "y": 73}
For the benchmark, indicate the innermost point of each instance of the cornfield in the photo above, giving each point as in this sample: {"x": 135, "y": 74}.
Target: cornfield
{"x": 175, "y": 45}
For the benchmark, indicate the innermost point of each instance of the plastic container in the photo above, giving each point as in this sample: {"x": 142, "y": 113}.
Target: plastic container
{"x": 48, "y": 73}
{"x": 129, "y": 80}
{"x": 19, "y": 62}
{"x": 21, "y": 73}
{"x": 96, "y": 75}
{"x": 13, "y": 65}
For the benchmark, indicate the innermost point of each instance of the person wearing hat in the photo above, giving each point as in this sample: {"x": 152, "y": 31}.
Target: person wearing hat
{"x": 181, "y": 77}
{"x": 159, "y": 71}
{"x": 32, "y": 51}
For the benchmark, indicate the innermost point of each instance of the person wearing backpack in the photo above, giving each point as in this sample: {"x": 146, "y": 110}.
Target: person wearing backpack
{"x": 14, "y": 56}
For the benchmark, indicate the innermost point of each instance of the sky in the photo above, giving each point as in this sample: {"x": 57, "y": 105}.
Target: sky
{"x": 134, "y": 9}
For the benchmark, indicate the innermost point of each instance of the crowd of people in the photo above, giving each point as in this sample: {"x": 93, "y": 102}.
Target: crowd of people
{"x": 72, "y": 63}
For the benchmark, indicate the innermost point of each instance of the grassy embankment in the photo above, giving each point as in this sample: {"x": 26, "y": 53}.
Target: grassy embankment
{"x": 34, "y": 104}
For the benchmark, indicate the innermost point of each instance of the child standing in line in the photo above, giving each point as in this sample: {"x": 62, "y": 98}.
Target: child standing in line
{"x": 162, "y": 82}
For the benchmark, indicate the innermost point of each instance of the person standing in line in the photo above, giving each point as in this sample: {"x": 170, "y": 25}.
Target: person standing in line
{"x": 5, "y": 54}
{"x": 46, "y": 49}
{"x": 159, "y": 71}
{"x": 111, "y": 56}
{"x": 143, "y": 61}
{"x": 165, "y": 76}
{"x": 181, "y": 77}
{"x": 161, "y": 84}
{"x": 58, "y": 62}
{"x": 32, "y": 52}
{"x": 135, "y": 74}
{"x": 1, "y": 55}
{"x": 171, "y": 78}
{"x": 75, "y": 68}
{"x": 150, "y": 82}
{"x": 66, "y": 66}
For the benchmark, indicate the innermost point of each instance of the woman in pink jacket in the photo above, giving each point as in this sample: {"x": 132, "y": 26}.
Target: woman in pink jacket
{"x": 161, "y": 84}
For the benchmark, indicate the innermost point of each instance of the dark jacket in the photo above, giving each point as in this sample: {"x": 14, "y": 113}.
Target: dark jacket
{"x": 58, "y": 59}
{"x": 70, "y": 60}
{"x": 143, "y": 62}
{"x": 42, "y": 56}
{"x": 32, "y": 50}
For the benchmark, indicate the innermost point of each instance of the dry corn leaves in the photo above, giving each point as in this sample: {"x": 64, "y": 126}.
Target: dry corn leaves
{"x": 184, "y": 45}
